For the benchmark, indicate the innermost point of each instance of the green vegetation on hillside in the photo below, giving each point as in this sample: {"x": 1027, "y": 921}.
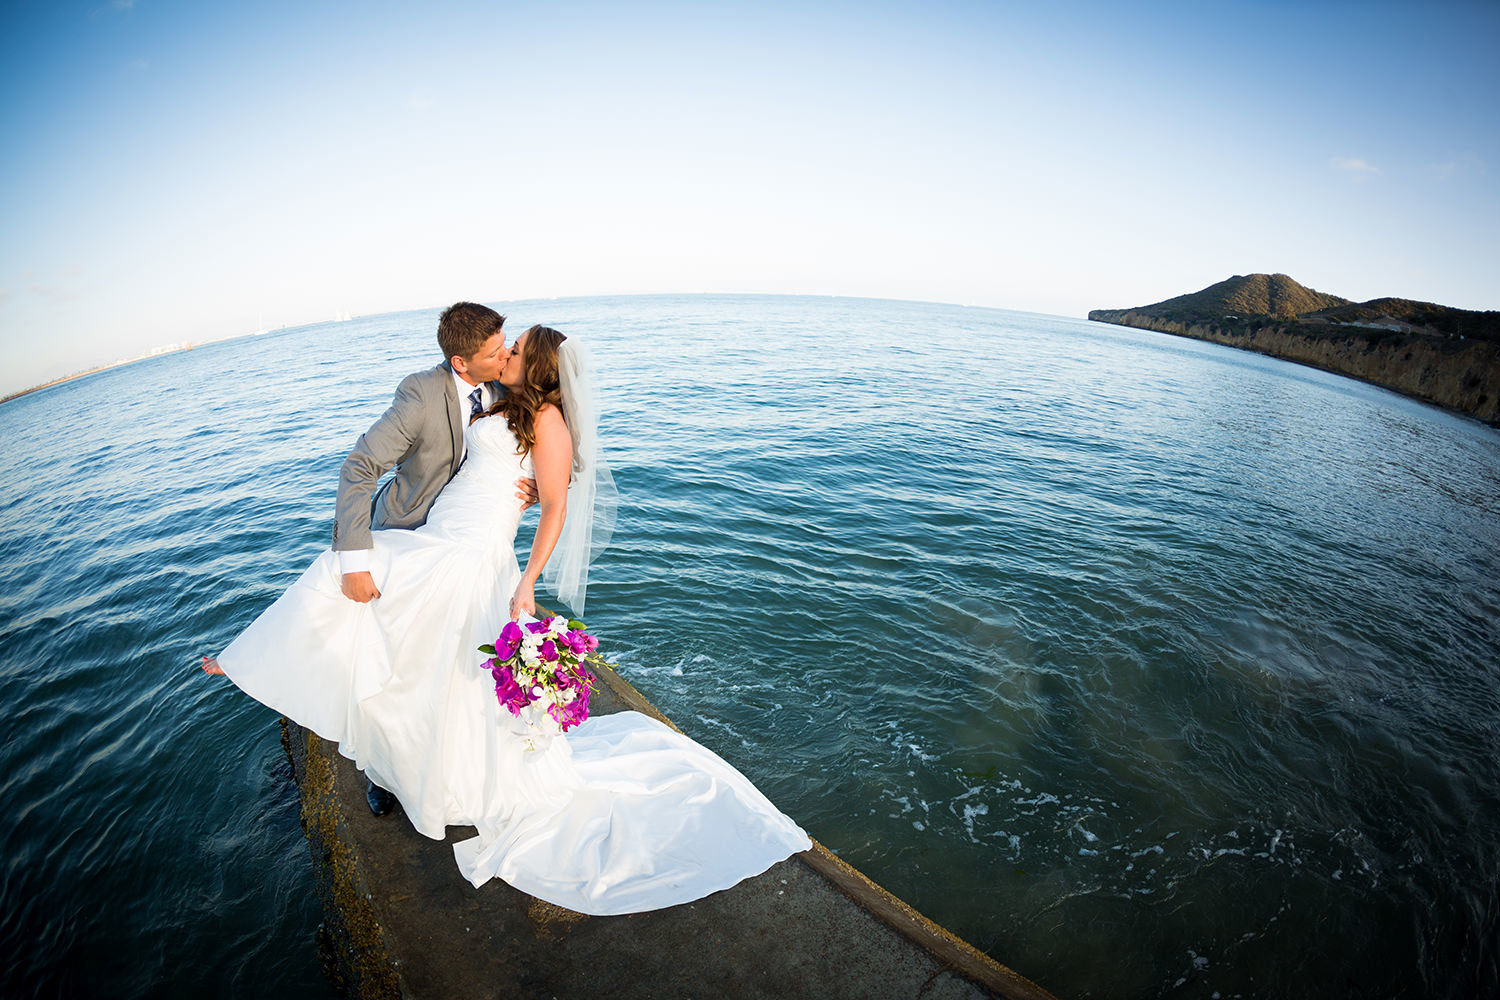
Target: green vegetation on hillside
{"x": 1414, "y": 317}
{"x": 1246, "y": 302}
{"x": 1446, "y": 356}
{"x": 1243, "y": 296}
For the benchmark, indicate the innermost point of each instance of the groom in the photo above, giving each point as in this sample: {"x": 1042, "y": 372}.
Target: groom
{"x": 421, "y": 436}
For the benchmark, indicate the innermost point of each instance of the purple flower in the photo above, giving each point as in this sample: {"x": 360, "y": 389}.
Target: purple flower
{"x": 570, "y": 715}
{"x": 535, "y": 627}
{"x": 509, "y": 693}
{"x": 548, "y": 651}
{"x": 510, "y": 638}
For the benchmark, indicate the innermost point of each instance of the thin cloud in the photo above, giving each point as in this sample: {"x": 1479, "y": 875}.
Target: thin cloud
{"x": 53, "y": 293}
{"x": 1353, "y": 166}
{"x": 1460, "y": 166}
{"x": 112, "y": 8}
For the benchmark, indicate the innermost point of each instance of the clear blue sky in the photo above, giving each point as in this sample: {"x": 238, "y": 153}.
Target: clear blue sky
{"x": 183, "y": 171}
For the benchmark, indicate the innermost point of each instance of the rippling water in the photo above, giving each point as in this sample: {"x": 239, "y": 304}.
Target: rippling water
{"x": 1148, "y": 666}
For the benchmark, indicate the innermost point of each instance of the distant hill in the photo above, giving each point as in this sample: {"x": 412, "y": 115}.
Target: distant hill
{"x": 1436, "y": 353}
{"x": 1273, "y": 295}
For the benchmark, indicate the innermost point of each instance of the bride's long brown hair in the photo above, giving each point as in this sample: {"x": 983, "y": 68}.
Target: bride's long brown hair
{"x": 539, "y": 386}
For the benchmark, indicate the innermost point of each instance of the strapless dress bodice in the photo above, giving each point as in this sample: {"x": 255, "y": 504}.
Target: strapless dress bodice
{"x": 480, "y": 504}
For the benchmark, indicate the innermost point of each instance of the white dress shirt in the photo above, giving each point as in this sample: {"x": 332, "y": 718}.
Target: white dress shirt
{"x": 486, "y": 398}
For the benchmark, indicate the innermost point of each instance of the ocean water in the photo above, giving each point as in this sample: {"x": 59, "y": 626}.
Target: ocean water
{"x": 1150, "y": 667}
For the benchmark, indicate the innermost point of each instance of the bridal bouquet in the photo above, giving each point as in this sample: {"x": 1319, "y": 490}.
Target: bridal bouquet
{"x": 540, "y": 675}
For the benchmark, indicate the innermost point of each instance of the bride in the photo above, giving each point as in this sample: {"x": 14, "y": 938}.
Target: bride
{"x": 619, "y": 815}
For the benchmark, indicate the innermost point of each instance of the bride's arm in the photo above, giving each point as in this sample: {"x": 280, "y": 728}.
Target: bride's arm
{"x": 552, "y": 465}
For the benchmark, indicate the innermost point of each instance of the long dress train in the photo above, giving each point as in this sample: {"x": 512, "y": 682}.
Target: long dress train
{"x": 619, "y": 815}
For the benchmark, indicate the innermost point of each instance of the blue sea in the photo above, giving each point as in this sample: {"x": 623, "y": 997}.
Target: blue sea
{"x": 1149, "y": 667}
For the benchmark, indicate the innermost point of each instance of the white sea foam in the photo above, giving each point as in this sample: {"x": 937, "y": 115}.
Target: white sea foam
{"x": 972, "y": 812}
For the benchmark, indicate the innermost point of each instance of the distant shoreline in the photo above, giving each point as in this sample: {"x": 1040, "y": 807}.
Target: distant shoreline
{"x": 157, "y": 353}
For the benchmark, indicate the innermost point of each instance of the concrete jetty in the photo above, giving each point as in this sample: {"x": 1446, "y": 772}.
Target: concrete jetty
{"x": 402, "y": 922}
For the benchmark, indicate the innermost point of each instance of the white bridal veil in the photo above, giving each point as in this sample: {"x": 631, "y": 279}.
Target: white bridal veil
{"x": 592, "y": 498}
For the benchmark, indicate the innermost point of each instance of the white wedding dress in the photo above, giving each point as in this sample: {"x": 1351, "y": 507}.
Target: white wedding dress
{"x": 619, "y": 815}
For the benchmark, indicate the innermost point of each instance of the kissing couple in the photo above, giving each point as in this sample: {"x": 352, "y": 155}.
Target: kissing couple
{"x": 375, "y": 646}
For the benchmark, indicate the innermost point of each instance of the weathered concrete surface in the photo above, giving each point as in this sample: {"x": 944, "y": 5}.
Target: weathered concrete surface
{"x": 1458, "y": 375}
{"x": 402, "y": 922}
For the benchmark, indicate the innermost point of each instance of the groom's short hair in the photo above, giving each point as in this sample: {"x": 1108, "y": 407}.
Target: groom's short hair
{"x": 465, "y": 326}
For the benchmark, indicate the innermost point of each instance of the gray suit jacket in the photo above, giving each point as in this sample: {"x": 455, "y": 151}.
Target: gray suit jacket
{"x": 421, "y": 437}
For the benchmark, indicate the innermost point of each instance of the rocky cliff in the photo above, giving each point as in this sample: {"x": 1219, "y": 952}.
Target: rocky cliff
{"x": 1449, "y": 357}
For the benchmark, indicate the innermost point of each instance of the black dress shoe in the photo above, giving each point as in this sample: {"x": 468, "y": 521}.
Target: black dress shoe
{"x": 379, "y": 800}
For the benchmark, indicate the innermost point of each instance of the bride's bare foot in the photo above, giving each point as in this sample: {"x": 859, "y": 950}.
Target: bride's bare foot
{"x": 211, "y": 666}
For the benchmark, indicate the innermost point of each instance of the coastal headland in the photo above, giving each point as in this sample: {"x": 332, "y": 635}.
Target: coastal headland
{"x": 1440, "y": 355}
{"x": 400, "y": 921}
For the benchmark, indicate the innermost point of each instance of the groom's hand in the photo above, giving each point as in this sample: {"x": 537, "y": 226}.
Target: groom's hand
{"x": 526, "y": 490}
{"x": 359, "y": 587}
